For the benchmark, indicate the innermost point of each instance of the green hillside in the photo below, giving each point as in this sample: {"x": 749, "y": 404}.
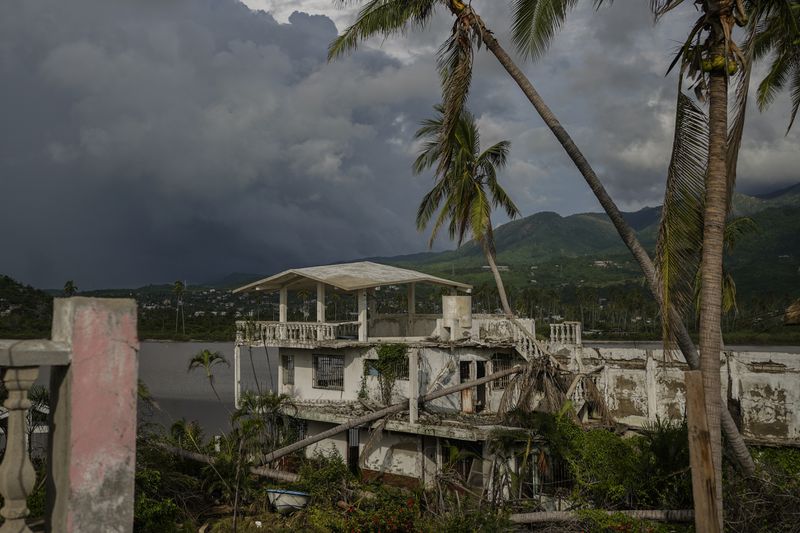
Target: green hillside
{"x": 547, "y": 250}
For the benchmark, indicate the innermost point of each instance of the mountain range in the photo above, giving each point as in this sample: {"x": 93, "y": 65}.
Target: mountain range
{"x": 548, "y": 249}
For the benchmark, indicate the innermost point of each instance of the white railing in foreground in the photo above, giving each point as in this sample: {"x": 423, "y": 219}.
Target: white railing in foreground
{"x": 92, "y": 423}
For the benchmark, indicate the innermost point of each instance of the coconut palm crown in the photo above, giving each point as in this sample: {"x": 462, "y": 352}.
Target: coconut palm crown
{"x": 466, "y": 187}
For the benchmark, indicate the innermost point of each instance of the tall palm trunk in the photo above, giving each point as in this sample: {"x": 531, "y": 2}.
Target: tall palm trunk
{"x": 489, "y": 250}
{"x": 711, "y": 265}
{"x": 627, "y": 234}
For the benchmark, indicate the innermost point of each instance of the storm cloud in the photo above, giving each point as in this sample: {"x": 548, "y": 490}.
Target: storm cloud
{"x": 146, "y": 141}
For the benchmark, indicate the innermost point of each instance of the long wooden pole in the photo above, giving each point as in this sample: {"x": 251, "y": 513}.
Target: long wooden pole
{"x": 377, "y": 415}
{"x": 679, "y": 515}
{"x": 704, "y": 491}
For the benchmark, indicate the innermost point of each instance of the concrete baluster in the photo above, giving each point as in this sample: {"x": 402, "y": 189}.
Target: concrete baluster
{"x": 17, "y": 476}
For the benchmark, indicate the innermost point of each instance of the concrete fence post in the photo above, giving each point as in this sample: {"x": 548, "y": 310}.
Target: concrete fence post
{"x": 93, "y": 417}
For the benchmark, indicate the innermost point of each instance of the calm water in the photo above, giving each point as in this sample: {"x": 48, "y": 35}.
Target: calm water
{"x": 182, "y": 394}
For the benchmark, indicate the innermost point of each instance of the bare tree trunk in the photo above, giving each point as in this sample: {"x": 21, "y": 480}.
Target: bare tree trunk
{"x": 627, "y": 233}
{"x": 711, "y": 265}
{"x": 489, "y": 250}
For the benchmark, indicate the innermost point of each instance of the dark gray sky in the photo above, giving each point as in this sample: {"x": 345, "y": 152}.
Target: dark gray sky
{"x": 152, "y": 140}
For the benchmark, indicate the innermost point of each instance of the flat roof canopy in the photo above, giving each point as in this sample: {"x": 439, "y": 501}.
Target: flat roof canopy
{"x": 348, "y": 277}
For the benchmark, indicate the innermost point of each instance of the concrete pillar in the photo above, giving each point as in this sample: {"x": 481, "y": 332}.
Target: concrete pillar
{"x": 320, "y": 302}
{"x": 413, "y": 386}
{"x": 93, "y": 417}
{"x": 411, "y": 294}
{"x": 362, "y": 315}
{"x": 651, "y": 369}
{"x": 283, "y": 309}
{"x": 237, "y": 374}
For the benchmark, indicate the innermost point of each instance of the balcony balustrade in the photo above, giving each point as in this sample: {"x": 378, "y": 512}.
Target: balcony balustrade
{"x": 566, "y": 333}
{"x": 295, "y": 333}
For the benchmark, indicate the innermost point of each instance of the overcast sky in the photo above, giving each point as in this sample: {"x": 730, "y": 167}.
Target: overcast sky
{"x": 152, "y": 140}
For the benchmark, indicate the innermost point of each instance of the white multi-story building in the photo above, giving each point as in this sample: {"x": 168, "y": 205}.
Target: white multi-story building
{"x": 328, "y": 369}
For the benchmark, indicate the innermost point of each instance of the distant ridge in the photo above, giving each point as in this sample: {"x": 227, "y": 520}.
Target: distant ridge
{"x": 790, "y": 190}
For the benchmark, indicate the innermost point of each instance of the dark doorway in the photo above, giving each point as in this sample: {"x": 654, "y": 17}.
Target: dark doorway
{"x": 480, "y": 399}
{"x": 467, "y": 404}
{"x": 352, "y": 450}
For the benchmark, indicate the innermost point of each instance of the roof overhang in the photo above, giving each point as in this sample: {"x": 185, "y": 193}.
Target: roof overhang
{"x": 348, "y": 277}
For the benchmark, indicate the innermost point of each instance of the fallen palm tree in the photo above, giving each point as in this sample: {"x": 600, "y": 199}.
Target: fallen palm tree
{"x": 681, "y": 515}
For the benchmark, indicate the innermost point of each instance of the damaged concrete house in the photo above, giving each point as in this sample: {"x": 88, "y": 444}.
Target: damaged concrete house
{"x": 331, "y": 370}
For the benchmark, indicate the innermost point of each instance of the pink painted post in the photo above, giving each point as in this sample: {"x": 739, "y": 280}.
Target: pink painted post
{"x": 93, "y": 417}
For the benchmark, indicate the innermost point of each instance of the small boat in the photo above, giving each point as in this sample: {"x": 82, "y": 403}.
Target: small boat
{"x": 288, "y": 501}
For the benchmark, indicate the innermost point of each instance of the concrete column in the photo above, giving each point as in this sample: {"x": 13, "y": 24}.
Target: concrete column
{"x": 362, "y": 315}
{"x": 92, "y": 436}
{"x": 413, "y": 386}
{"x": 411, "y": 294}
{"x": 320, "y": 302}
{"x": 651, "y": 369}
{"x": 283, "y": 309}
{"x": 237, "y": 374}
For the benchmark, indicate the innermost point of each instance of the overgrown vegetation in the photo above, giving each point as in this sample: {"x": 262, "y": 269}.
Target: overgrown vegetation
{"x": 392, "y": 363}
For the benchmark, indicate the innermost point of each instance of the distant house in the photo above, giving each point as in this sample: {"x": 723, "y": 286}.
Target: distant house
{"x": 500, "y": 268}
{"x": 792, "y": 316}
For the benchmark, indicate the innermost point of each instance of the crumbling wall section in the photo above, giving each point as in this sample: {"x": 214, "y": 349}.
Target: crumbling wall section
{"x": 640, "y": 385}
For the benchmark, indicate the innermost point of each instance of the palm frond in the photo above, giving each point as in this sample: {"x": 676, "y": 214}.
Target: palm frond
{"x": 535, "y": 23}
{"x": 736, "y": 130}
{"x": 737, "y": 228}
{"x": 454, "y": 61}
{"x": 680, "y": 231}
{"x": 382, "y": 17}
{"x": 661, "y": 7}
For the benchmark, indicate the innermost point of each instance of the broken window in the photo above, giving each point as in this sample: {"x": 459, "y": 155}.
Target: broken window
{"x": 329, "y": 372}
{"x": 287, "y": 362}
{"x": 501, "y": 361}
{"x": 399, "y": 371}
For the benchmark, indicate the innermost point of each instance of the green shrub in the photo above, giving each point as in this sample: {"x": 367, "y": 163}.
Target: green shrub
{"x": 324, "y": 476}
{"x": 151, "y": 512}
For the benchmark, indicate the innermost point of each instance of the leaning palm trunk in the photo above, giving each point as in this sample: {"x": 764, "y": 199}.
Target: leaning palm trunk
{"x": 711, "y": 266}
{"x": 627, "y": 233}
{"x": 488, "y": 249}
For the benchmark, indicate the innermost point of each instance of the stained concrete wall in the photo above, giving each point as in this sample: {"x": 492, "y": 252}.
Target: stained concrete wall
{"x": 419, "y": 325}
{"x": 640, "y": 385}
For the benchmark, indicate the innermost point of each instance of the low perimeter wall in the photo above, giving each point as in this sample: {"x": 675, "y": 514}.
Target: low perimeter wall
{"x": 639, "y": 385}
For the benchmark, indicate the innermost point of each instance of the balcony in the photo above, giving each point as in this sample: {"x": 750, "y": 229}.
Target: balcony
{"x": 91, "y": 455}
{"x": 298, "y": 334}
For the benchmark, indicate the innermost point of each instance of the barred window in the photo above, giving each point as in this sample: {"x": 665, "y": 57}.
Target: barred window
{"x": 287, "y": 361}
{"x": 501, "y": 361}
{"x": 329, "y": 372}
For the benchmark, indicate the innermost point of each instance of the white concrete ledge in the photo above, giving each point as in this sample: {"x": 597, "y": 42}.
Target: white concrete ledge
{"x": 36, "y": 352}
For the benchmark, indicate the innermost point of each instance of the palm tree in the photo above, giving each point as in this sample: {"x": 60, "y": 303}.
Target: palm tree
{"x": 70, "y": 289}
{"x": 187, "y": 435}
{"x": 699, "y": 195}
{"x": 206, "y": 360}
{"x": 178, "y": 289}
{"x": 466, "y": 186}
{"x": 535, "y": 23}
